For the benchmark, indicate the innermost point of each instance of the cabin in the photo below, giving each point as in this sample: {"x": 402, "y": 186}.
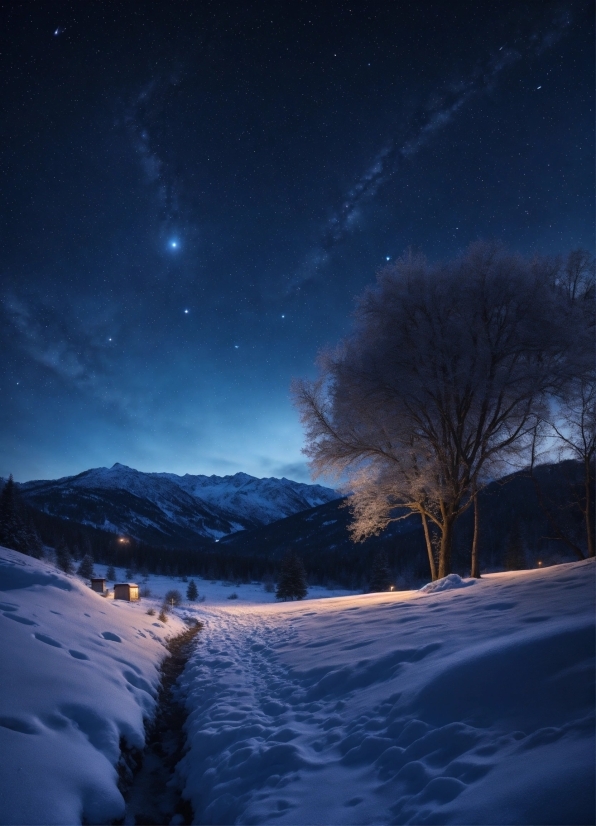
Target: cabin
{"x": 98, "y": 584}
{"x": 126, "y": 590}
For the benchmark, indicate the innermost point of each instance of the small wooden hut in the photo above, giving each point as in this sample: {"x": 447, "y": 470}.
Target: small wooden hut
{"x": 98, "y": 584}
{"x": 126, "y": 590}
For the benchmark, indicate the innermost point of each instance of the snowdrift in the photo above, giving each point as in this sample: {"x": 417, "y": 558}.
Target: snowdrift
{"x": 79, "y": 673}
{"x": 468, "y": 705}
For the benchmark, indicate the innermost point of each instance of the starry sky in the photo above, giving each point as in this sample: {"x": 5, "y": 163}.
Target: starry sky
{"x": 192, "y": 194}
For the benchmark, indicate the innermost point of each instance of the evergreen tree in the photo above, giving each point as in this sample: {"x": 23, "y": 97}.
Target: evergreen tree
{"x": 292, "y": 580}
{"x": 192, "y": 592}
{"x": 380, "y": 579}
{"x": 12, "y": 529}
{"x": 111, "y": 573}
{"x": 32, "y": 541}
{"x": 63, "y": 557}
{"x": 85, "y": 569}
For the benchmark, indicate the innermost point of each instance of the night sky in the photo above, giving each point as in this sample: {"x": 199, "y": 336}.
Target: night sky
{"x": 193, "y": 193}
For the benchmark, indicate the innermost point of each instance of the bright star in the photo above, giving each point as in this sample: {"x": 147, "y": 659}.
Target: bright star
{"x": 186, "y": 311}
{"x": 174, "y": 244}
{"x": 109, "y": 339}
{"x": 283, "y": 316}
{"x": 236, "y": 346}
{"x": 387, "y": 258}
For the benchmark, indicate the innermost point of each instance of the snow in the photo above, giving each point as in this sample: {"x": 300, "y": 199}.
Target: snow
{"x": 79, "y": 672}
{"x": 460, "y": 704}
{"x": 451, "y": 705}
{"x": 447, "y": 583}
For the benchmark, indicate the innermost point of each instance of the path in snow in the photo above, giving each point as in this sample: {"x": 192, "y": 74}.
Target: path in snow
{"x": 472, "y": 705}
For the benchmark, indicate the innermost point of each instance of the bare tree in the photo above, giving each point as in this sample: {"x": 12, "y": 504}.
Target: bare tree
{"x": 445, "y": 372}
{"x": 571, "y": 423}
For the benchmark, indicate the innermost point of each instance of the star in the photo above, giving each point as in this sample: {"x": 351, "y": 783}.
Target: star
{"x": 387, "y": 258}
{"x": 186, "y": 312}
{"x": 236, "y": 346}
{"x": 174, "y": 245}
{"x": 283, "y": 316}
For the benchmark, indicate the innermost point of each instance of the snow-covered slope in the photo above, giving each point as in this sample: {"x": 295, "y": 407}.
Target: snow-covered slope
{"x": 465, "y": 705}
{"x": 162, "y": 507}
{"x": 78, "y": 674}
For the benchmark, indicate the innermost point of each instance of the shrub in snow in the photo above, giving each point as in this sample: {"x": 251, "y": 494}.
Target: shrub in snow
{"x": 380, "y": 579}
{"x": 292, "y": 579}
{"x": 151, "y": 612}
{"x": 163, "y": 617}
{"x": 192, "y": 592}
{"x": 85, "y": 569}
{"x": 173, "y": 598}
{"x": 233, "y": 595}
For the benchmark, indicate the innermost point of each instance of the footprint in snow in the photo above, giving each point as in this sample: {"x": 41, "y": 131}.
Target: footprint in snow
{"x": 16, "y": 618}
{"x": 47, "y": 640}
{"x": 108, "y": 635}
{"x": 78, "y": 655}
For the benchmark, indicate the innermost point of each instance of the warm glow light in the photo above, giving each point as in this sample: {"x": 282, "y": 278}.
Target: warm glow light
{"x": 392, "y": 588}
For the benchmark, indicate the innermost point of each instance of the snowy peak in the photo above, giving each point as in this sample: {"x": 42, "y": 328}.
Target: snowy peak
{"x": 164, "y": 507}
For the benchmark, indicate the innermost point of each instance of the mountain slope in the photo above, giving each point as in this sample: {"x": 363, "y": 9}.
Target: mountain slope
{"x": 163, "y": 508}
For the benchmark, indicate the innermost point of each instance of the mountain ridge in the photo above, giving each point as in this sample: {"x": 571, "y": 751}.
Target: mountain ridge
{"x": 167, "y": 508}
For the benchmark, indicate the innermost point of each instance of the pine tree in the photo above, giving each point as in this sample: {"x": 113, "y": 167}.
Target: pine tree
{"x": 292, "y": 580}
{"x": 192, "y": 592}
{"x": 12, "y": 529}
{"x": 63, "y": 557}
{"x": 32, "y": 541}
{"x": 85, "y": 569}
{"x": 380, "y": 578}
{"x": 111, "y": 573}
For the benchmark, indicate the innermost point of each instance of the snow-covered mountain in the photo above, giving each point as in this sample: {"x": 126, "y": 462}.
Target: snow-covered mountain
{"x": 164, "y": 508}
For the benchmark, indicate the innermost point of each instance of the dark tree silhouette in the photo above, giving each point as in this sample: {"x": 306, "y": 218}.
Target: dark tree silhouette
{"x": 192, "y": 592}
{"x": 380, "y": 578}
{"x": 292, "y": 579}
{"x": 85, "y": 569}
{"x": 12, "y": 528}
{"x": 64, "y": 557}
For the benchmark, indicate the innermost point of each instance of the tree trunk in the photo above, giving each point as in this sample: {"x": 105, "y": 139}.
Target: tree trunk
{"x": 445, "y": 546}
{"x": 588, "y": 512}
{"x": 475, "y": 567}
{"x": 429, "y": 547}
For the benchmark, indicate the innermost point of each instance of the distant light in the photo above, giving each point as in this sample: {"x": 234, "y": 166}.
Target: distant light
{"x": 122, "y": 539}
{"x": 174, "y": 245}
{"x": 539, "y": 563}
{"x": 387, "y": 258}
{"x": 392, "y": 588}
{"x": 109, "y": 339}
{"x": 186, "y": 311}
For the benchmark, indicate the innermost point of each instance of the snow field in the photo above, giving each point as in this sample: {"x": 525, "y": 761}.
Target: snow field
{"x": 465, "y": 705}
{"x": 79, "y": 672}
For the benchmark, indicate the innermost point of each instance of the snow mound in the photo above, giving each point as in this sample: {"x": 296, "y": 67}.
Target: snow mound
{"x": 447, "y": 583}
{"x": 79, "y": 675}
{"x": 475, "y": 707}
